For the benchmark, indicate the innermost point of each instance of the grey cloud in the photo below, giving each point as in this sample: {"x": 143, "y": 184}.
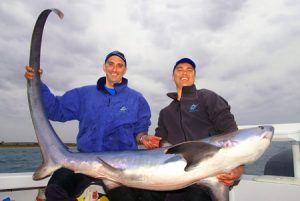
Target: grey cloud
{"x": 244, "y": 50}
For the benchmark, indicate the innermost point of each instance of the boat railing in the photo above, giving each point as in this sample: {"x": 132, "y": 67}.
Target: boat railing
{"x": 20, "y": 181}
{"x": 287, "y": 133}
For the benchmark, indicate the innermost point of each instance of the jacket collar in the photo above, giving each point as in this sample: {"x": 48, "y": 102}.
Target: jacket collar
{"x": 185, "y": 92}
{"x": 118, "y": 86}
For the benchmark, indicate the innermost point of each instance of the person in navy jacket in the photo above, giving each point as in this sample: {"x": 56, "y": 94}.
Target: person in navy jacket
{"x": 194, "y": 114}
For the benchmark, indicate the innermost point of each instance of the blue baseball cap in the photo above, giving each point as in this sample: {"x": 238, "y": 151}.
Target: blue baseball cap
{"x": 185, "y": 60}
{"x": 118, "y": 54}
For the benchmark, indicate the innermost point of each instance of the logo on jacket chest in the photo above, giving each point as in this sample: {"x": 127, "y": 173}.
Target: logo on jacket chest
{"x": 194, "y": 108}
{"x": 123, "y": 109}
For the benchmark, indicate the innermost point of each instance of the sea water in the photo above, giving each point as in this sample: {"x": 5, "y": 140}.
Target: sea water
{"x": 19, "y": 159}
{"x": 28, "y": 159}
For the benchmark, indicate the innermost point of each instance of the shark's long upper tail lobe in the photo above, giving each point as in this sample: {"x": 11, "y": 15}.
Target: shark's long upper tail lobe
{"x": 46, "y": 135}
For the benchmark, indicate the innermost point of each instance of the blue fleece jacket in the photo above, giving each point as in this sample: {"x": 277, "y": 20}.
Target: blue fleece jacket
{"x": 106, "y": 122}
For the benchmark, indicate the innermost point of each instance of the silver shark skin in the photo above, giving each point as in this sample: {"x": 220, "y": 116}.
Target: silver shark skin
{"x": 166, "y": 168}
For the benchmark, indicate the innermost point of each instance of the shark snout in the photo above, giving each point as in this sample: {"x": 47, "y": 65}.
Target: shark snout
{"x": 268, "y": 135}
{"x": 268, "y": 131}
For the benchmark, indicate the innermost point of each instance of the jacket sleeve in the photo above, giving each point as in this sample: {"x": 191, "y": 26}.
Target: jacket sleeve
{"x": 61, "y": 108}
{"x": 143, "y": 116}
{"x": 219, "y": 113}
{"x": 161, "y": 130}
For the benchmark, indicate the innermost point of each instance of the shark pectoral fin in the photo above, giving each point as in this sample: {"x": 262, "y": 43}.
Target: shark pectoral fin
{"x": 218, "y": 191}
{"x": 193, "y": 152}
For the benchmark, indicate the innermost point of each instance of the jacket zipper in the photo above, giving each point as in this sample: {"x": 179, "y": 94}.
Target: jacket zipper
{"x": 108, "y": 104}
{"x": 181, "y": 125}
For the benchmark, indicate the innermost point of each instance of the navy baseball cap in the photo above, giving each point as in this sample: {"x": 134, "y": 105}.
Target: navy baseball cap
{"x": 185, "y": 60}
{"x": 118, "y": 54}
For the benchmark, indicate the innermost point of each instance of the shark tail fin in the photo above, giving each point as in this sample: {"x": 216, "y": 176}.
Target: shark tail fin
{"x": 45, "y": 170}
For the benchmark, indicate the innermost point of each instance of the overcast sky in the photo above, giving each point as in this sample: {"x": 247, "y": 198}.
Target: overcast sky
{"x": 245, "y": 50}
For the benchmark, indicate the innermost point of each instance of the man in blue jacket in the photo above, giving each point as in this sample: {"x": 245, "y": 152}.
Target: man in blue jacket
{"x": 112, "y": 117}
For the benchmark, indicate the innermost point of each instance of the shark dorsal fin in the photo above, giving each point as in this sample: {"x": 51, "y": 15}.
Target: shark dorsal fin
{"x": 193, "y": 152}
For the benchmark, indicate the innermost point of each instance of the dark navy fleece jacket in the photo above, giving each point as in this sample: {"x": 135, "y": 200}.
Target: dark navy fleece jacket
{"x": 198, "y": 114}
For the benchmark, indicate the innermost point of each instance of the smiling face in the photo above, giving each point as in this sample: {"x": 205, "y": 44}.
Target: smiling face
{"x": 184, "y": 75}
{"x": 114, "y": 69}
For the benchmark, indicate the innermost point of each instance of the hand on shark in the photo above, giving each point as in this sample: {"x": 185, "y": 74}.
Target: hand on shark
{"x": 228, "y": 178}
{"x": 150, "y": 141}
{"x": 29, "y": 73}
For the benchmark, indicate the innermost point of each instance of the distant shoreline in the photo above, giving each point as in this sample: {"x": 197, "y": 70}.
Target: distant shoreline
{"x": 26, "y": 144}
